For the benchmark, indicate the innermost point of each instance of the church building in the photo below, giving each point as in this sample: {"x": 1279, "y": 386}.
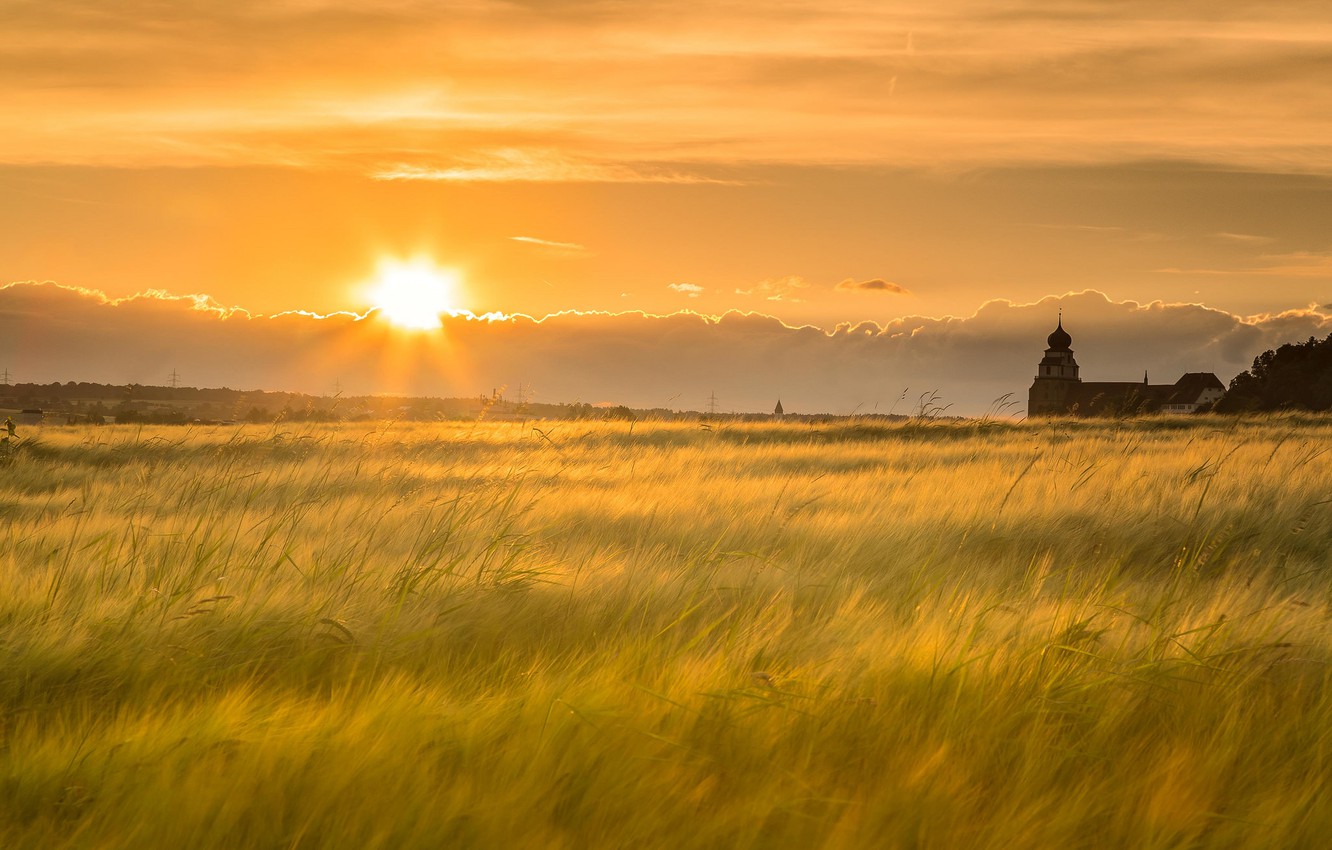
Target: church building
{"x": 1058, "y": 391}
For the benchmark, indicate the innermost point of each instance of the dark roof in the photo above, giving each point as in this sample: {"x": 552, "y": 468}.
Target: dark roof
{"x": 1099, "y": 396}
{"x": 1201, "y": 381}
{"x": 1189, "y": 388}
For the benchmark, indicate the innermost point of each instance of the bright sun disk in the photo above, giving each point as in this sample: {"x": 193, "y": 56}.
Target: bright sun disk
{"x": 413, "y": 295}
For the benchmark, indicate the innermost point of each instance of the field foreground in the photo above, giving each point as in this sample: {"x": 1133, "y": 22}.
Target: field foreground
{"x": 660, "y": 636}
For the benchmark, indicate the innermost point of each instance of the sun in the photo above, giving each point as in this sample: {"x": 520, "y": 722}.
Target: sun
{"x": 413, "y": 295}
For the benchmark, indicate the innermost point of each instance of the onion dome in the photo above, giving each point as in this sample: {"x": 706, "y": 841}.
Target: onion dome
{"x": 1059, "y": 340}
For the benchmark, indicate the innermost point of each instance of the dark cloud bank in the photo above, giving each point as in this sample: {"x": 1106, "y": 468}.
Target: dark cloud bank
{"x": 53, "y": 333}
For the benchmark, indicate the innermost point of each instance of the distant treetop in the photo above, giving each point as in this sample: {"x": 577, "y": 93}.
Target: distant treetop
{"x": 1296, "y": 376}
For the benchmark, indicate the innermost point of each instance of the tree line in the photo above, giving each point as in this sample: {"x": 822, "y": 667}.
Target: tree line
{"x": 1296, "y": 376}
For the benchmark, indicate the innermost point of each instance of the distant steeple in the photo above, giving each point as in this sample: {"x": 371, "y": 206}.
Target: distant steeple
{"x": 1144, "y": 377}
{"x": 777, "y": 412}
{"x": 1056, "y": 375}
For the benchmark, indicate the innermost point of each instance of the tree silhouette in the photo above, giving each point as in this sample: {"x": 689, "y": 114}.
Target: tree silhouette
{"x": 1296, "y": 376}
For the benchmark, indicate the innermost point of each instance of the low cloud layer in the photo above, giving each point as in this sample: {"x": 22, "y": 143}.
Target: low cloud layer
{"x": 53, "y": 333}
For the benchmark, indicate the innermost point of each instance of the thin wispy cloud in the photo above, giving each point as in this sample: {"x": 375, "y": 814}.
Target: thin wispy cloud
{"x": 1297, "y": 264}
{"x": 690, "y": 289}
{"x": 540, "y": 167}
{"x": 1084, "y": 228}
{"x": 1243, "y": 238}
{"x": 552, "y": 247}
{"x": 787, "y": 288}
{"x": 547, "y": 243}
{"x": 1109, "y": 232}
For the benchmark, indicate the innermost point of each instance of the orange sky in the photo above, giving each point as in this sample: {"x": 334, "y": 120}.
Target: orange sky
{"x": 819, "y": 162}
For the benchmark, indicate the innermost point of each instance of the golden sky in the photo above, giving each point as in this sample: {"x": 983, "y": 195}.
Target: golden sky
{"x": 819, "y": 162}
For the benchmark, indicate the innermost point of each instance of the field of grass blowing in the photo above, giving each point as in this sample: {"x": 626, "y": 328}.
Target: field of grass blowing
{"x": 651, "y": 635}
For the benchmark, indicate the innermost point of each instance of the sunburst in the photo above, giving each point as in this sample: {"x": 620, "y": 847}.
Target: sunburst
{"x": 414, "y": 295}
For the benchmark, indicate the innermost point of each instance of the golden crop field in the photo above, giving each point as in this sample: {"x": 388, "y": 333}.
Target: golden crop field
{"x": 932, "y": 635}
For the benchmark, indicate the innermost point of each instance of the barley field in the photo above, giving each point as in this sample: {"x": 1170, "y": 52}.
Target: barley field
{"x": 573, "y": 635}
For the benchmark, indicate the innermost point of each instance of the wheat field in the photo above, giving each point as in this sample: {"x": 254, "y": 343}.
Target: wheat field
{"x": 656, "y": 635}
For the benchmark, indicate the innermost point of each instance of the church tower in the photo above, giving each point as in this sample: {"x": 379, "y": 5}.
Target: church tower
{"x": 1056, "y": 376}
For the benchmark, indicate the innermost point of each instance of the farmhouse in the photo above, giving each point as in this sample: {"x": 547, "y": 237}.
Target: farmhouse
{"x": 1058, "y": 391}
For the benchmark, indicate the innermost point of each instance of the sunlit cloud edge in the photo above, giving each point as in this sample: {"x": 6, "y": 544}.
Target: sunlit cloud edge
{"x": 206, "y": 304}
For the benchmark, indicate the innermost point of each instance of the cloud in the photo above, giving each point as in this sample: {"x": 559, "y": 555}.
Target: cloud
{"x": 877, "y": 284}
{"x": 559, "y": 248}
{"x": 540, "y": 166}
{"x": 612, "y": 86}
{"x": 690, "y": 289}
{"x": 1243, "y": 238}
{"x": 1108, "y": 232}
{"x": 777, "y": 288}
{"x": 53, "y": 333}
{"x": 1297, "y": 264}
{"x": 1084, "y": 228}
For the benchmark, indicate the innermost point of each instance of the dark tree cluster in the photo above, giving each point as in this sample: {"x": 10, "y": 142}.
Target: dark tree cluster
{"x": 1296, "y": 376}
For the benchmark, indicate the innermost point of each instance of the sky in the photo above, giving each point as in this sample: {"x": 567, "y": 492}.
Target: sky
{"x": 640, "y": 167}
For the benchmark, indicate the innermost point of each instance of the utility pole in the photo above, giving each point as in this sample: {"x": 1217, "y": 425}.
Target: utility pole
{"x": 6, "y": 378}
{"x": 712, "y": 405}
{"x": 175, "y": 379}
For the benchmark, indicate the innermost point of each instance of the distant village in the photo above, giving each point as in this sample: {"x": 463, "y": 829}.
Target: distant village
{"x": 75, "y": 403}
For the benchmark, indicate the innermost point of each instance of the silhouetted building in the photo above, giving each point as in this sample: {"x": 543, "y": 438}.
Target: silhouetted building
{"x": 1058, "y": 391}
{"x": 777, "y": 412}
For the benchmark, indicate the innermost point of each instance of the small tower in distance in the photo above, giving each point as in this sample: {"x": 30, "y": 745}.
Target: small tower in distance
{"x": 777, "y": 412}
{"x": 1056, "y": 376}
